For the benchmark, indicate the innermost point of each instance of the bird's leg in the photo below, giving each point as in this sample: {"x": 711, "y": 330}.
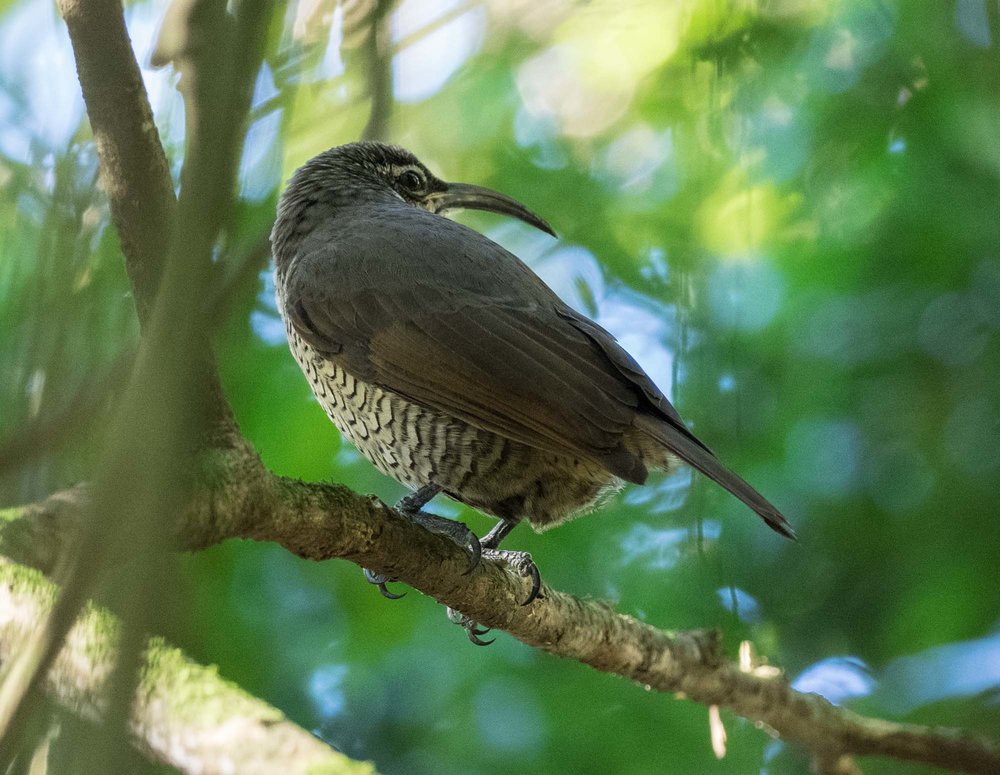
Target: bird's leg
{"x": 411, "y": 506}
{"x": 519, "y": 561}
{"x": 416, "y": 500}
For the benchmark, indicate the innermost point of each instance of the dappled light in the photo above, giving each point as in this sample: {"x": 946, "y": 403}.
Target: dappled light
{"x": 787, "y": 212}
{"x": 434, "y": 40}
{"x": 946, "y": 672}
{"x": 837, "y": 678}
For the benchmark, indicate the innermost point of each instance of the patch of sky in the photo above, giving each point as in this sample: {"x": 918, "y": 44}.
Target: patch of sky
{"x": 526, "y": 242}
{"x": 838, "y": 679}
{"x": 143, "y": 21}
{"x": 263, "y": 88}
{"x": 540, "y": 132}
{"x": 446, "y": 507}
{"x": 661, "y": 548}
{"x": 662, "y": 495}
{"x": 575, "y": 275}
{"x": 265, "y": 322}
{"x": 325, "y": 689}
{"x": 347, "y": 455}
{"x": 774, "y": 128}
{"x": 268, "y": 328}
{"x": 740, "y": 603}
{"x": 30, "y": 206}
{"x": 15, "y": 143}
{"x": 771, "y": 751}
{"x": 436, "y": 37}
{"x": 260, "y": 167}
{"x": 43, "y": 105}
{"x": 643, "y": 326}
{"x": 580, "y": 92}
{"x": 655, "y": 266}
{"x": 949, "y": 671}
{"x": 332, "y": 64}
{"x": 612, "y": 592}
{"x": 640, "y": 161}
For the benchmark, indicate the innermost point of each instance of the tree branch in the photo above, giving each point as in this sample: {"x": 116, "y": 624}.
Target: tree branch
{"x": 172, "y": 396}
{"x": 134, "y": 170}
{"x": 238, "y": 498}
{"x": 184, "y": 714}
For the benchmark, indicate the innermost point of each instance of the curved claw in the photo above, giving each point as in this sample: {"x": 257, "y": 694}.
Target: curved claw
{"x": 475, "y": 639}
{"x": 380, "y": 582}
{"x": 475, "y": 552}
{"x": 384, "y": 591}
{"x": 522, "y": 563}
{"x": 536, "y": 584}
{"x": 473, "y": 629}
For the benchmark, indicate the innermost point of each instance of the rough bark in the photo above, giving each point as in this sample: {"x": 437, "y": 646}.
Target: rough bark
{"x": 134, "y": 170}
{"x": 239, "y": 498}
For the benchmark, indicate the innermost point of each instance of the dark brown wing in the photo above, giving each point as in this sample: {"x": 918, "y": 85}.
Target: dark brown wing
{"x": 442, "y": 315}
{"x": 627, "y": 366}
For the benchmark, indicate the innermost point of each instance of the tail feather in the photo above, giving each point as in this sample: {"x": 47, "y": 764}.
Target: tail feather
{"x": 682, "y": 443}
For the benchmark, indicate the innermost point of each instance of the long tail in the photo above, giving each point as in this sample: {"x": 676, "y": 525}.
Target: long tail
{"x": 681, "y": 442}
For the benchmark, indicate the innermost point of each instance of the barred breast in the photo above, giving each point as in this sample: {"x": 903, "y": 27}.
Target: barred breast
{"x": 416, "y": 446}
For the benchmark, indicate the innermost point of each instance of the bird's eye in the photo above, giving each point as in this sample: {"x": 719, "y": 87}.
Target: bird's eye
{"x": 411, "y": 181}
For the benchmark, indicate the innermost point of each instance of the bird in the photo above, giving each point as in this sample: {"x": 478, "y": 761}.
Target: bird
{"x": 453, "y": 367}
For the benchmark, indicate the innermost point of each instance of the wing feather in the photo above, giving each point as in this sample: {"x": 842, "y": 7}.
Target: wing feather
{"x": 449, "y": 319}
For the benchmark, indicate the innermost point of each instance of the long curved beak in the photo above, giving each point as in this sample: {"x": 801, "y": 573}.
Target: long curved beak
{"x": 465, "y": 196}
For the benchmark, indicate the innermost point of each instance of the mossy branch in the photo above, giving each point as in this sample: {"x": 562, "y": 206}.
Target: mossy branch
{"x": 239, "y": 498}
{"x": 183, "y": 713}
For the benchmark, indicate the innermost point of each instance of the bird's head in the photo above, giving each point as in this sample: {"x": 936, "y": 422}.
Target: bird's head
{"x": 362, "y": 172}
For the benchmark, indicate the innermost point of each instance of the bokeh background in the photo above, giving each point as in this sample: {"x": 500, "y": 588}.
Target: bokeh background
{"x": 787, "y": 210}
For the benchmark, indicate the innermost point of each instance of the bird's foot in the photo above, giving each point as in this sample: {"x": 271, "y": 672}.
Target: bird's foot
{"x": 380, "y": 581}
{"x": 410, "y": 507}
{"x": 520, "y": 562}
{"x": 472, "y": 628}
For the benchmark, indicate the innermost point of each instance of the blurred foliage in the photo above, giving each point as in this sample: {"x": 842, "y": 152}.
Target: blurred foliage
{"x": 786, "y": 209}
